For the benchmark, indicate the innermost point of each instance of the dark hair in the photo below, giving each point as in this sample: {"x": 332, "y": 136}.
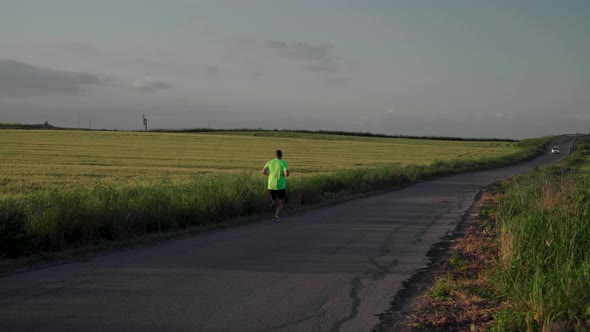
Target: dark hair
{"x": 279, "y": 154}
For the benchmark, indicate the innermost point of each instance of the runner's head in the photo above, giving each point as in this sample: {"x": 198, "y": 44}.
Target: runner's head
{"x": 279, "y": 154}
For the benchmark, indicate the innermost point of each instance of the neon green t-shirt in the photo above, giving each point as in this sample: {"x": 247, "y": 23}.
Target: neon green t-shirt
{"x": 276, "y": 174}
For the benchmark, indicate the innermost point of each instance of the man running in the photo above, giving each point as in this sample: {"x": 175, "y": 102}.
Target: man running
{"x": 277, "y": 171}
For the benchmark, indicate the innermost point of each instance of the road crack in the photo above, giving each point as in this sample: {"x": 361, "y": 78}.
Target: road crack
{"x": 375, "y": 274}
{"x": 357, "y": 285}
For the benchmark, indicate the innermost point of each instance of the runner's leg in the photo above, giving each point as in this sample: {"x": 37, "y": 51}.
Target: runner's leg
{"x": 273, "y": 196}
{"x": 279, "y": 206}
{"x": 280, "y": 200}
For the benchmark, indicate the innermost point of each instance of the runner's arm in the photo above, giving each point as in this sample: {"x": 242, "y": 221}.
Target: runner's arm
{"x": 264, "y": 170}
{"x": 287, "y": 173}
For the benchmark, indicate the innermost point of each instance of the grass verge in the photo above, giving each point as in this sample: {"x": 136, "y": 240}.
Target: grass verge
{"x": 525, "y": 264}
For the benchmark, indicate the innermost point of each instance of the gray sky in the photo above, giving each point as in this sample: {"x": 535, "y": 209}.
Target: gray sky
{"x": 439, "y": 67}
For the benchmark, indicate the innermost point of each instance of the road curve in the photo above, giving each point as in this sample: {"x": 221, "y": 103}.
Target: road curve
{"x": 330, "y": 269}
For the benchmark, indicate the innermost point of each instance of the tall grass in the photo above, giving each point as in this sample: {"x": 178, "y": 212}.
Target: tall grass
{"x": 54, "y": 219}
{"x": 544, "y": 238}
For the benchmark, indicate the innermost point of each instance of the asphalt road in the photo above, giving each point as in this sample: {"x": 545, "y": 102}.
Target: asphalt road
{"x": 330, "y": 269}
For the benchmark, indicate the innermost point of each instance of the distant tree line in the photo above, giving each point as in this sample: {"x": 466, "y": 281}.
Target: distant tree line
{"x": 325, "y": 132}
{"x": 338, "y": 132}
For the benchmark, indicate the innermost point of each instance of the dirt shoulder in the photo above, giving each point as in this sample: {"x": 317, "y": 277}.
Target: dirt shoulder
{"x": 450, "y": 294}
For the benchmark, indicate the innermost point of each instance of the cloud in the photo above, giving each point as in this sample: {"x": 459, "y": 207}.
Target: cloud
{"x": 324, "y": 66}
{"x": 84, "y": 50}
{"x": 149, "y": 84}
{"x": 268, "y": 56}
{"x": 211, "y": 71}
{"x": 301, "y": 50}
{"x": 203, "y": 26}
{"x": 320, "y": 57}
{"x": 143, "y": 63}
{"x": 18, "y": 79}
{"x": 274, "y": 44}
{"x": 336, "y": 81}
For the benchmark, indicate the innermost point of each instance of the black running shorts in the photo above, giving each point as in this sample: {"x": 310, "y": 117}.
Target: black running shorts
{"x": 280, "y": 194}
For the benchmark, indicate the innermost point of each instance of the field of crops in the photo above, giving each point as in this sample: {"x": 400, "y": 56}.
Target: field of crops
{"x": 32, "y": 160}
{"x": 61, "y": 189}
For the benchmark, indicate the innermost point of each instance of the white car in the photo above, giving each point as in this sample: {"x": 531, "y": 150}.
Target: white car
{"x": 555, "y": 150}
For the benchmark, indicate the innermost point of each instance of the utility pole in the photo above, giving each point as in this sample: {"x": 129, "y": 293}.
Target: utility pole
{"x": 90, "y": 123}
{"x": 78, "y": 120}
